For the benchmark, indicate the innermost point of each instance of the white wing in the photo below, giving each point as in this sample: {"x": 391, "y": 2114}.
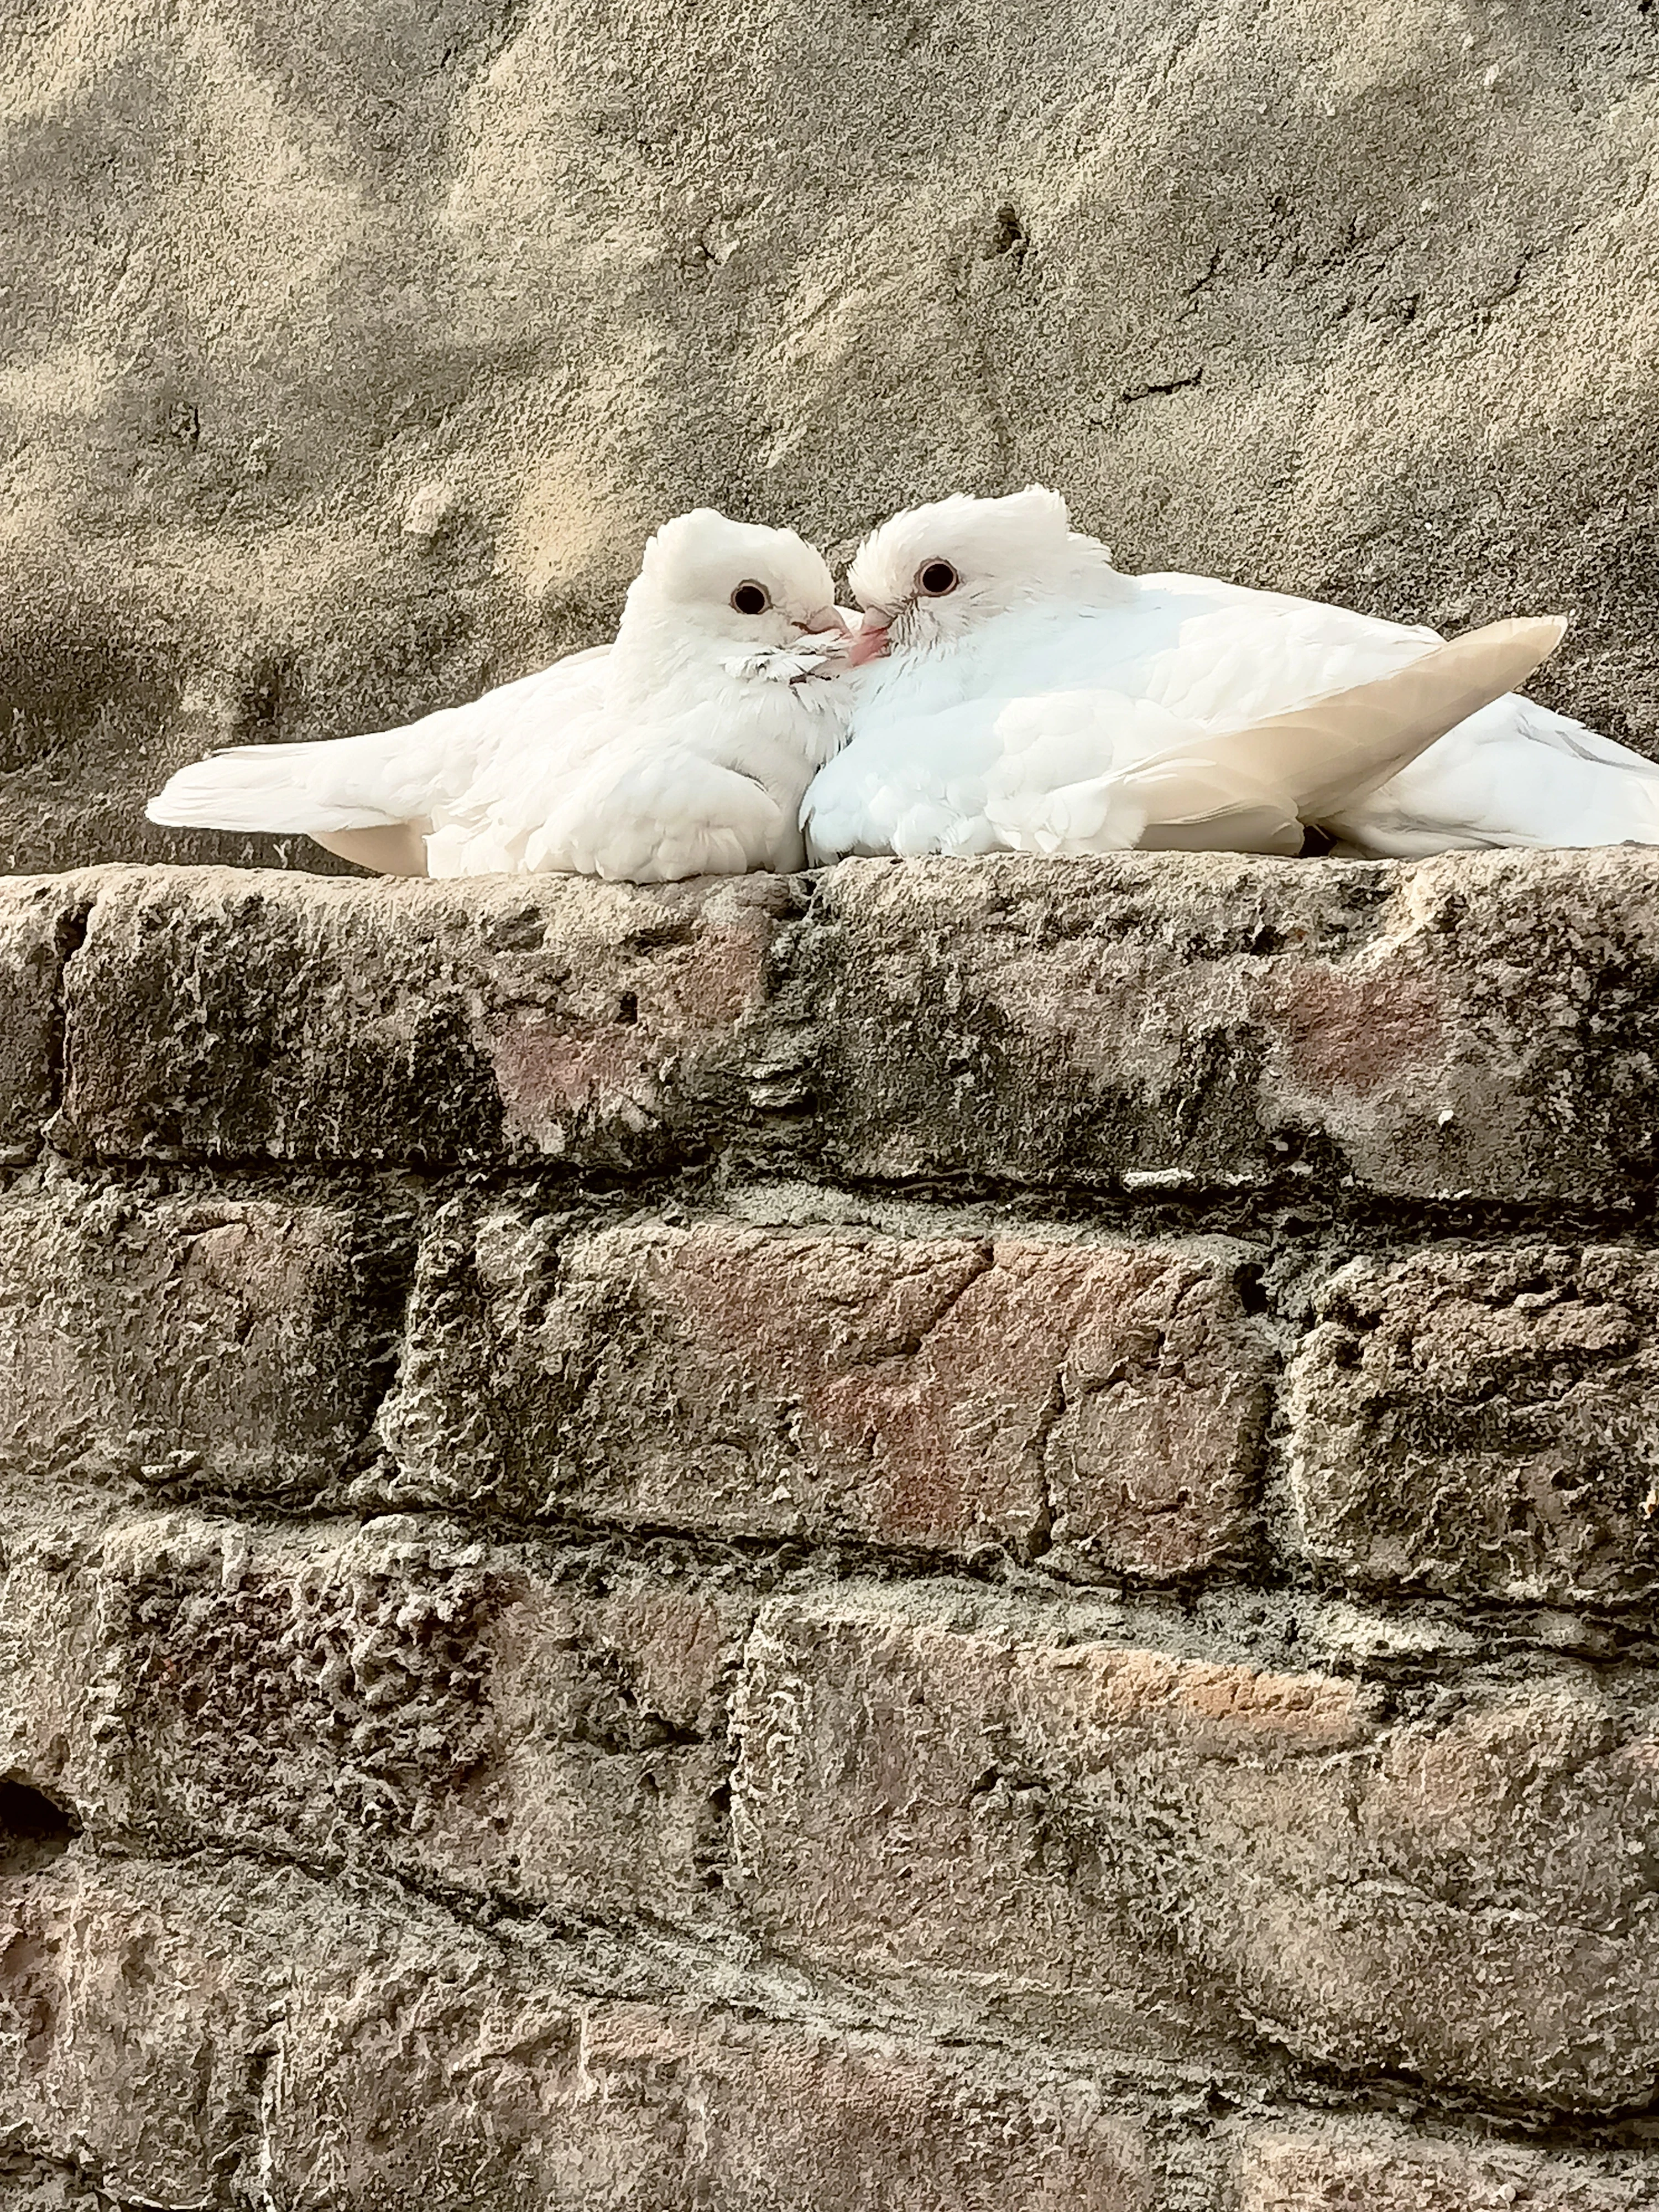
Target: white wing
{"x": 1064, "y": 772}
{"x": 1226, "y": 657}
{"x": 1212, "y": 652}
{"x": 1515, "y": 774}
{"x": 385, "y": 777}
{"x": 1092, "y": 771}
{"x": 637, "y": 807}
{"x": 661, "y": 816}
{"x": 714, "y": 789}
{"x": 918, "y": 786}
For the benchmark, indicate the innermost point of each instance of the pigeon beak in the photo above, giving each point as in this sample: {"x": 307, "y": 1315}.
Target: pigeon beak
{"x": 870, "y": 643}
{"x": 822, "y": 621}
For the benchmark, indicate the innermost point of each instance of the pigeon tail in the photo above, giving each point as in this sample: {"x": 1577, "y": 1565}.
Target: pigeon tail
{"x": 1337, "y": 751}
{"x": 263, "y": 787}
{"x": 1514, "y": 774}
{"x": 273, "y": 789}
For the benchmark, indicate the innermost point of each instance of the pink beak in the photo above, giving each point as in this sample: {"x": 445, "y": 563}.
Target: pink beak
{"x": 869, "y": 643}
{"x": 822, "y": 622}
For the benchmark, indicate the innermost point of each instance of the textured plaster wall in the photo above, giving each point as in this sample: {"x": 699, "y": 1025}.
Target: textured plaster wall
{"x": 349, "y": 347}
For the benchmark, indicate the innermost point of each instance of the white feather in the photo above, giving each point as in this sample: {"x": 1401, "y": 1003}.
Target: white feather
{"x": 682, "y": 750}
{"x": 384, "y": 776}
{"x": 1045, "y": 702}
{"x": 1515, "y": 774}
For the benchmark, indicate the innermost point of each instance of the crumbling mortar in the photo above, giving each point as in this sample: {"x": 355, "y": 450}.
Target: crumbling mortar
{"x": 654, "y": 1956}
{"x": 1202, "y": 1615}
{"x": 1293, "y": 1220}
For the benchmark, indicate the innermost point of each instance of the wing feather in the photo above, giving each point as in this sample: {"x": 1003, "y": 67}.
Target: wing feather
{"x": 382, "y": 778}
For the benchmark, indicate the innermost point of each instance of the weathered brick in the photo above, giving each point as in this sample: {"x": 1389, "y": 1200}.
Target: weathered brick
{"x": 386, "y": 1697}
{"x": 220, "y": 2036}
{"x": 1341, "y": 2166}
{"x": 1485, "y": 1420}
{"x": 1480, "y": 1023}
{"x": 38, "y": 916}
{"x": 948, "y": 1792}
{"x": 932, "y": 1391}
{"x": 218, "y": 1013}
{"x": 28, "y": 2183}
{"x": 97, "y": 1979}
{"x": 214, "y": 1341}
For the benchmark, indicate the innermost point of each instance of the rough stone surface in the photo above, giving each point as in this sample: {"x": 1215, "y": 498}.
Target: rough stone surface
{"x": 1481, "y": 1025}
{"x": 1485, "y": 1420}
{"x": 367, "y": 2055}
{"x": 218, "y": 1015}
{"x": 930, "y": 1788}
{"x": 838, "y": 1383}
{"x": 270, "y": 2016}
{"x": 38, "y": 919}
{"x": 28, "y": 2183}
{"x": 948, "y": 1536}
{"x": 210, "y": 1342}
{"x": 1337, "y": 2168}
{"x": 390, "y": 1700}
{"x": 349, "y": 355}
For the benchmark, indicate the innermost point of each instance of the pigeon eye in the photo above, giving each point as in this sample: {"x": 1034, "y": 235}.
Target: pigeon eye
{"x": 936, "y": 578}
{"x": 752, "y": 598}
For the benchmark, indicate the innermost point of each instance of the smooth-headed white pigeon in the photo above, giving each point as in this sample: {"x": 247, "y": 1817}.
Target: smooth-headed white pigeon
{"x": 682, "y": 749}
{"x": 1020, "y": 693}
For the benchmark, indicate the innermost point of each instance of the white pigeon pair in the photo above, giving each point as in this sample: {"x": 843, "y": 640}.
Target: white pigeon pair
{"x": 1007, "y": 689}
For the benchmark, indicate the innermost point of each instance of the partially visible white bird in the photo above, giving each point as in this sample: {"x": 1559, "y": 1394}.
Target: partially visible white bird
{"x": 682, "y": 749}
{"x": 1034, "y": 698}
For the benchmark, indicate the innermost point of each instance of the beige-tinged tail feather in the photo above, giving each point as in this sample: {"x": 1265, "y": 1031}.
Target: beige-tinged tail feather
{"x": 1337, "y": 750}
{"x": 398, "y": 849}
{"x": 1197, "y": 804}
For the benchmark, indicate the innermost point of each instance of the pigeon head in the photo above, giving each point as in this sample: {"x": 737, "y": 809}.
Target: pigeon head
{"x": 928, "y": 578}
{"x": 734, "y": 586}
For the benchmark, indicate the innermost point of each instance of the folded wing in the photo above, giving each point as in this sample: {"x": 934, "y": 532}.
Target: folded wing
{"x": 1092, "y": 770}
{"x": 1515, "y": 774}
{"x": 372, "y": 798}
{"x": 660, "y": 816}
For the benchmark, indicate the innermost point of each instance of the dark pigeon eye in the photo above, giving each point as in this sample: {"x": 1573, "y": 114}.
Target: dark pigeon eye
{"x": 752, "y": 598}
{"x": 937, "y": 578}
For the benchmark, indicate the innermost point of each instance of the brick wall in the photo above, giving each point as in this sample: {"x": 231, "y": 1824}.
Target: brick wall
{"x": 966, "y": 1536}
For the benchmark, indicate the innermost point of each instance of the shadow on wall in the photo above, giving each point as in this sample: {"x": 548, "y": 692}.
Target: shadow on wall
{"x": 34, "y": 1831}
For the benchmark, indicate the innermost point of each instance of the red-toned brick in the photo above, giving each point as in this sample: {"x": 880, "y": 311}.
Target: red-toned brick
{"x": 928, "y": 1391}
{"x": 1479, "y": 1024}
